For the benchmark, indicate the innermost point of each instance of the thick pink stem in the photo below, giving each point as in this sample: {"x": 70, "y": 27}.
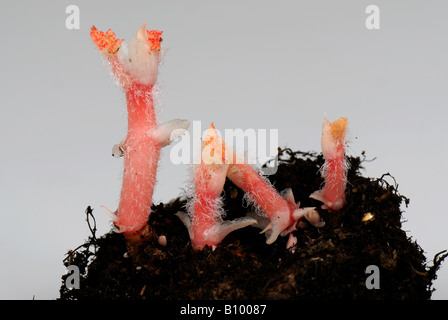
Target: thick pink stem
{"x": 279, "y": 211}
{"x": 141, "y": 155}
{"x": 246, "y": 178}
{"x": 336, "y": 181}
{"x": 208, "y": 187}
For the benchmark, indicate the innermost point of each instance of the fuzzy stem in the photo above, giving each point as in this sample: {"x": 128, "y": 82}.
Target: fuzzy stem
{"x": 140, "y": 104}
{"x": 141, "y": 154}
{"x": 246, "y": 178}
{"x": 209, "y": 183}
{"x": 336, "y": 180}
{"x": 279, "y": 211}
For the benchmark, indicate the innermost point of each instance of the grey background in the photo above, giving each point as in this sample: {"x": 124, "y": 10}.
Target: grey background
{"x": 243, "y": 64}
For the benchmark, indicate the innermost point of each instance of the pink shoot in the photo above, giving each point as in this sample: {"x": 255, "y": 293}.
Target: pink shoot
{"x": 204, "y": 220}
{"x": 334, "y": 170}
{"x": 281, "y": 210}
{"x": 136, "y": 68}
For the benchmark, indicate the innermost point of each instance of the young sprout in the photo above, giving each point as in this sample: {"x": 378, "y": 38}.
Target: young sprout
{"x": 334, "y": 171}
{"x": 136, "y": 69}
{"x": 204, "y": 219}
{"x": 282, "y": 211}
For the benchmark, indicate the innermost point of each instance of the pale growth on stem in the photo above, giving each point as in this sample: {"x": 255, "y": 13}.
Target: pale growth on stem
{"x": 167, "y": 132}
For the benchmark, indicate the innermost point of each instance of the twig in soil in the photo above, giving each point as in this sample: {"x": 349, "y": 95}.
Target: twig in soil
{"x": 91, "y": 241}
{"x": 89, "y": 214}
{"x": 394, "y": 187}
{"x": 364, "y": 159}
{"x": 437, "y": 263}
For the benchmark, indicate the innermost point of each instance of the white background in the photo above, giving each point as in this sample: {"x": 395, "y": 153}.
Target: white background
{"x": 242, "y": 64}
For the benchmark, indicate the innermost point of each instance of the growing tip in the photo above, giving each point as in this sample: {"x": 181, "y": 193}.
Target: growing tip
{"x": 338, "y": 128}
{"x": 105, "y": 41}
{"x": 152, "y": 37}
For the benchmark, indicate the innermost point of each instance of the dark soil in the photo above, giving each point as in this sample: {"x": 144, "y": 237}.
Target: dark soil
{"x": 327, "y": 263}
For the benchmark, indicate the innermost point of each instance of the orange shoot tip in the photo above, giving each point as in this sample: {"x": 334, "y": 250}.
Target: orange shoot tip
{"x": 338, "y": 128}
{"x": 211, "y": 135}
{"x": 155, "y": 38}
{"x": 106, "y": 41}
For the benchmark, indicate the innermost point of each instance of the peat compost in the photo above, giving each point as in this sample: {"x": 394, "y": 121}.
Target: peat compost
{"x": 326, "y": 263}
